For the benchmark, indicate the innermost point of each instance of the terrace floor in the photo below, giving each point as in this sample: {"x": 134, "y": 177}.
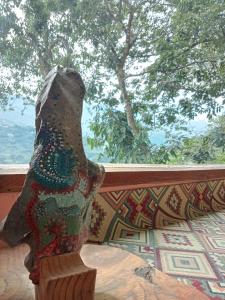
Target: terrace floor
{"x": 191, "y": 251}
{"x": 116, "y": 278}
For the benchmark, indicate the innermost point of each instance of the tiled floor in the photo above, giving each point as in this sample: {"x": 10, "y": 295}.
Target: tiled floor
{"x": 192, "y": 251}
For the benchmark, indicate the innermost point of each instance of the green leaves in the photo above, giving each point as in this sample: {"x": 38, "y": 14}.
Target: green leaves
{"x": 189, "y": 58}
{"x": 36, "y": 35}
{"x": 146, "y": 64}
{"x": 208, "y": 147}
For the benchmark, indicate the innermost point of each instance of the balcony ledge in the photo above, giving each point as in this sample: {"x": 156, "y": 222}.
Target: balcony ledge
{"x": 126, "y": 176}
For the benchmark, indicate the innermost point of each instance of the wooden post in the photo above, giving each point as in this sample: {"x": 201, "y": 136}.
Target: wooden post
{"x": 65, "y": 277}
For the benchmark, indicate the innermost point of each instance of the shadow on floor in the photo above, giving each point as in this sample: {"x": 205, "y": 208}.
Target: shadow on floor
{"x": 104, "y": 296}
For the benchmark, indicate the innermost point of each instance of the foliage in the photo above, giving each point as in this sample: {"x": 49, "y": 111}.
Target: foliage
{"x": 122, "y": 47}
{"x": 117, "y": 140}
{"x": 207, "y": 147}
{"x": 216, "y": 132}
{"x": 146, "y": 63}
{"x": 190, "y": 58}
{"x": 35, "y": 35}
{"x": 196, "y": 150}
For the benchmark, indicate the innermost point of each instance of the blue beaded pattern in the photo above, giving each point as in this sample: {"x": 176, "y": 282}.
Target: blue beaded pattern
{"x": 53, "y": 164}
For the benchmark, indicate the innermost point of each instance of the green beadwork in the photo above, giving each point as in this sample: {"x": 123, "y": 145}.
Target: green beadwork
{"x": 53, "y": 164}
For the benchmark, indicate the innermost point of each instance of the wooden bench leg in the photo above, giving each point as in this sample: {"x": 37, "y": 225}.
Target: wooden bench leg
{"x": 65, "y": 277}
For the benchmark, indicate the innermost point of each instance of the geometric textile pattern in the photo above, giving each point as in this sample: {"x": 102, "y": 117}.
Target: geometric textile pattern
{"x": 170, "y": 224}
{"x": 193, "y": 251}
{"x": 219, "y": 192}
{"x": 101, "y": 219}
{"x": 214, "y": 243}
{"x": 177, "y": 240}
{"x": 173, "y": 202}
{"x": 116, "y": 199}
{"x": 201, "y": 197}
{"x": 157, "y": 207}
{"x": 217, "y": 288}
{"x": 140, "y": 208}
{"x": 183, "y": 263}
{"x": 121, "y": 232}
{"x": 97, "y": 218}
{"x": 189, "y": 235}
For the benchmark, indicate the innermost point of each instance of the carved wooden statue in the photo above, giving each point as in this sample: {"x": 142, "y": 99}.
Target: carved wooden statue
{"x": 52, "y": 214}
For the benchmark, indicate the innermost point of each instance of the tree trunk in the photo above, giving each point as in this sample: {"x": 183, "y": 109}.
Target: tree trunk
{"x": 43, "y": 68}
{"x": 128, "y": 106}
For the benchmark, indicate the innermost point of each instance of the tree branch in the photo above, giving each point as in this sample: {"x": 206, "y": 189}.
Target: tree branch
{"x": 115, "y": 18}
{"x": 146, "y": 71}
{"x": 130, "y": 40}
{"x": 178, "y": 68}
{"x": 128, "y": 106}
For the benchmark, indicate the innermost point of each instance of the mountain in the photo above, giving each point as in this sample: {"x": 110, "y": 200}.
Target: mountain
{"x": 196, "y": 127}
{"x": 16, "y": 144}
{"x": 25, "y": 115}
{"x": 17, "y": 134}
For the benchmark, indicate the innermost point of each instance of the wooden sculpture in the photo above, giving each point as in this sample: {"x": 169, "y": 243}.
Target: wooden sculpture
{"x": 52, "y": 213}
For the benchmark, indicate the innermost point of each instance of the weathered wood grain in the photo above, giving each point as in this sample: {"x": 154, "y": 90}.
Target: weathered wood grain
{"x": 65, "y": 277}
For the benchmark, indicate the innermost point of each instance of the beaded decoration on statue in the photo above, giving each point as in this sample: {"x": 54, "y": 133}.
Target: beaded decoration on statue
{"x": 52, "y": 163}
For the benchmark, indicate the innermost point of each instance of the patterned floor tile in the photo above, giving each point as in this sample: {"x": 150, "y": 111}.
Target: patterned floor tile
{"x": 210, "y": 217}
{"x": 146, "y": 249}
{"x": 206, "y": 227}
{"x": 203, "y": 286}
{"x": 217, "y": 287}
{"x": 177, "y": 240}
{"x": 192, "y": 251}
{"x": 182, "y": 263}
{"x": 214, "y": 243}
{"x": 221, "y": 215}
{"x": 219, "y": 261}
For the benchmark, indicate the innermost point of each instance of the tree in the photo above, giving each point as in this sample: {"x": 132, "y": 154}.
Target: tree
{"x": 197, "y": 150}
{"x": 216, "y": 132}
{"x": 109, "y": 40}
{"x": 146, "y": 63}
{"x": 190, "y": 60}
{"x": 207, "y": 147}
{"x": 121, "y": 36}
{"x": 35, "y": 36}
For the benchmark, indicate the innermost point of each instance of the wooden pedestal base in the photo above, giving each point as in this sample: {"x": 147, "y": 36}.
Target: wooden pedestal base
{"x": 65, "y": 277}
{"x": 116, "y": 278}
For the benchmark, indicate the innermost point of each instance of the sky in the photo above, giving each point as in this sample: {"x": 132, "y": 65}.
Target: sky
{"x": 26, "y": 116}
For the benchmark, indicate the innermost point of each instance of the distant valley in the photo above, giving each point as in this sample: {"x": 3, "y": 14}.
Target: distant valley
{"x": 16, "y": 144}
{"x": 17, "y": 134}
